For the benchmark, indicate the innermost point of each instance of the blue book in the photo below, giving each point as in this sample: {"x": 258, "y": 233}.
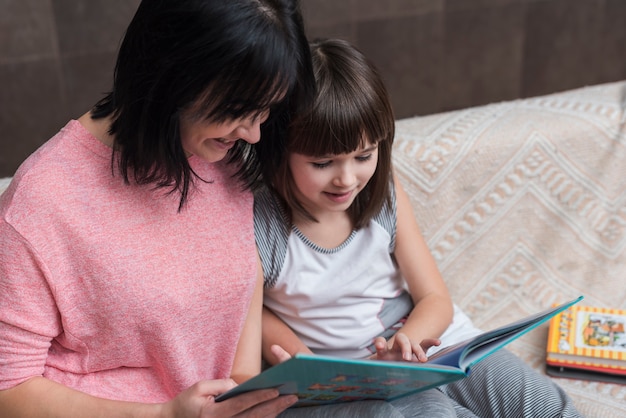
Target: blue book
{"x": 319, "y": 380}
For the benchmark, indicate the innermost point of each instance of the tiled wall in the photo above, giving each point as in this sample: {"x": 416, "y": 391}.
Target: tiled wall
{"x": 56, "y": 56}
{"x": 56, "y": 60}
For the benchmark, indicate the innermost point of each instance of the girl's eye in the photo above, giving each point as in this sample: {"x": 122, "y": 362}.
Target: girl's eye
{"x": 323, "y": 164}
{"x": 366, "y": 157}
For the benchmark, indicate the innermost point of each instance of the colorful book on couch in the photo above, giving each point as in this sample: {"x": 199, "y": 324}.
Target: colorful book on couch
{"x": 319, "y": 380}
{"x": 588, "y": 343}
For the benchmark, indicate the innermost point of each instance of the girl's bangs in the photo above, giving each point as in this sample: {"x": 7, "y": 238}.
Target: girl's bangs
{"x": 336, "y": 126}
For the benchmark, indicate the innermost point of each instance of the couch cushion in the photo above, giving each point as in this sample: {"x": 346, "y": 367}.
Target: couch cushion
{"x": 523, "y": 204}
{"x": 4, "y": 183}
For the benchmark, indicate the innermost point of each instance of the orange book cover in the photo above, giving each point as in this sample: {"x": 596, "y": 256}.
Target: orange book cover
{"x": 588, "y": 339}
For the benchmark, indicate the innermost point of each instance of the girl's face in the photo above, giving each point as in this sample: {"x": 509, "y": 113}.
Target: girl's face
{"x": 211, "y": 141}
{"x": 332, "y": 182}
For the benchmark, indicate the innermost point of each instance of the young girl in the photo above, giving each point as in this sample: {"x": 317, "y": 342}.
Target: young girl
{"x": 346, "y": 269}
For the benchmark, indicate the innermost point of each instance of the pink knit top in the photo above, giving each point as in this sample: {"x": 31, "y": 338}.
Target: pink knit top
{"x": 107, "y": 288}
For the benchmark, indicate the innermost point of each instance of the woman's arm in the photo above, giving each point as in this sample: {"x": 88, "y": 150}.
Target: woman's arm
{"x": 248, "y": 356}
{"x": 39, "y": 397}
{"x": 432, "y": 311}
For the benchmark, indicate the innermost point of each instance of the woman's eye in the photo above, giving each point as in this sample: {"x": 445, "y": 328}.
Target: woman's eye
{"x": 262, "y": 116}
{"x": 364, "y": 157}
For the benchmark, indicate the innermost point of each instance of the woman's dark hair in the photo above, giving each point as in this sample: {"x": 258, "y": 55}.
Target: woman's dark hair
{"x": 351, "y": 109}
{"x": 222, "y": 59}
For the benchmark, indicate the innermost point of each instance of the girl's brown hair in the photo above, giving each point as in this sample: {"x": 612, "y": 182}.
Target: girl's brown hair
{"x": 351, "y": 109}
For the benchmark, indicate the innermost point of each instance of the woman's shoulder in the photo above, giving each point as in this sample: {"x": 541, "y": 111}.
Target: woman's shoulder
{"x": 69, "y": 172}
{"x": 43, "y": 171}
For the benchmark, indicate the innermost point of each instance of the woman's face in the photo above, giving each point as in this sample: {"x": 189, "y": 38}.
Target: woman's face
{"x": 211, "y": 141}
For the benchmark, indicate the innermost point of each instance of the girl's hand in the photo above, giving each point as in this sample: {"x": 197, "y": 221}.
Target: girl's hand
{"x": 280, "y": 353}
{"x": 199, "y": 401}
{"x": 402, "y": 348}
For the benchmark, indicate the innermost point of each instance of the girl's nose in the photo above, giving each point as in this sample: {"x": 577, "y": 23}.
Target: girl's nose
{"x": 345, "y": 177}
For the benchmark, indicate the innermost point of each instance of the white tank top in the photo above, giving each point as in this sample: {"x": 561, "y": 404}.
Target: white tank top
{"x": 336, "y": 300}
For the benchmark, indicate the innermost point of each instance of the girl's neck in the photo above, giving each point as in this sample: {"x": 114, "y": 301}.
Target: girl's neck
{"x": 331, "y": 230}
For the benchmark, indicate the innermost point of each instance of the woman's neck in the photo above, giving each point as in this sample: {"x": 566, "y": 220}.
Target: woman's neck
{"x": 99, "y": 128}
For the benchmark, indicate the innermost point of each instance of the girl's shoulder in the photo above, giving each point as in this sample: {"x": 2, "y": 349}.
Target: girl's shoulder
{"x": 387, "y": 217}
{"x": 267, "y": 205}
{"x": 271, "y": 233}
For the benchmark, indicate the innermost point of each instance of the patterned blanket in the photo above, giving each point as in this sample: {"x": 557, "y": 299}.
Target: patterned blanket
{"x": 523, "y": 204}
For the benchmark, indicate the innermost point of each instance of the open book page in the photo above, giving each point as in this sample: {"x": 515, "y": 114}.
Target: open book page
{"x": 471, "y": 351}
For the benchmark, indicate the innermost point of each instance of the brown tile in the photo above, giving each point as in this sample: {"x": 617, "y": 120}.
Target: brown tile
{"x": 95, "y": 25}
{"x": 407, "y": 51}
{"x": 26, "y": 30}
{"x": 613, "y": 46}
{"x": 562, "y": 47}
{"x": 344, "y": 30}
{"x": 323, "y": 13}
{"x": 459, "y": 5}
{"x": 87, "y": 78}
{"x": 32, "y": 110}
{"x": 378, "y": 10}
{"x": 483, "y": 56}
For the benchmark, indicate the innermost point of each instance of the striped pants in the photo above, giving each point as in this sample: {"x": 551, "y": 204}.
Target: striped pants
{"x": 500, "y": 386}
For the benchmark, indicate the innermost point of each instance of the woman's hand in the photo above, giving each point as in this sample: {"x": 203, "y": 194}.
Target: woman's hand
{"x": 199, "y": 402}
{"x": 402, "y": 348}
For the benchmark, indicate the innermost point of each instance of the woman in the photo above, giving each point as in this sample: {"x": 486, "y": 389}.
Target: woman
{"x": 128, "y": 270}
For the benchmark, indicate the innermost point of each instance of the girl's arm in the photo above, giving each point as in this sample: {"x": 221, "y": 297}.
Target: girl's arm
{"x": 432, "y": 312}
{"x": 276, "y": 332}
{"x": 247, "y": 361}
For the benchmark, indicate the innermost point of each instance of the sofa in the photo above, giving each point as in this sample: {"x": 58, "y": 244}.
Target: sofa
{"x": 523, "y": 204}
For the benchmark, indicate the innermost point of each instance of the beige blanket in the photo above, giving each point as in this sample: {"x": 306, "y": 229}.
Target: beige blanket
{"x": 523, "y": 204}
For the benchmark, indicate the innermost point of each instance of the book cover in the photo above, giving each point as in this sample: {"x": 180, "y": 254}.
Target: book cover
{"x": 319, "y": 380}
{"x": 588, "y": 343}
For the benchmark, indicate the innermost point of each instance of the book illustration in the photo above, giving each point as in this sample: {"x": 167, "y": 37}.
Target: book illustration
{"x": 601, "y": 330}
{"x": 360, "y": 389}
{"x": 319, "y": 379}
{"x": 587, "y": 338}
